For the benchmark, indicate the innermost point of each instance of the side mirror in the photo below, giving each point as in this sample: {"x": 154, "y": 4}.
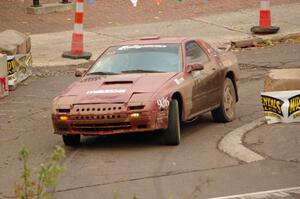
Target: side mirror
{"x": 193, "y": 67}
{"x": 79, "y": 72}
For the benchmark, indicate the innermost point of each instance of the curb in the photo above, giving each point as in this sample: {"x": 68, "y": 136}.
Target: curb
{"x": 50, "y": 8}
{"x": 232, "y": 143}
{"x": 246, "y": 43}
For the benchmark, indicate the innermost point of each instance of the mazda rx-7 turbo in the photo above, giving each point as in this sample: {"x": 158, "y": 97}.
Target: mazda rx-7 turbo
{"x": 151, "y": 84}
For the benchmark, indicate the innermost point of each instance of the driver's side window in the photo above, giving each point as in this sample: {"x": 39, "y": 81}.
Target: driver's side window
{"x": 195, "y": 54}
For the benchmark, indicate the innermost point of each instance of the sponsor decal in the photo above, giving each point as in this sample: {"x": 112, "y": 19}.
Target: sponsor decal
{"x": 294, "y": 105}
{"x": 163, "y": 103}
{"x": 179, "y": 81}
{"x": 271, "y": 104}
{"x": 281, "y": 106}
{"x": 106, "y": 91}
{"x": 196, "y": 74}
{"x": 12, "y": 66}
{"x": 141, "y": 46}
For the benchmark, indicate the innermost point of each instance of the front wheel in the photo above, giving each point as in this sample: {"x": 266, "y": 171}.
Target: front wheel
{"x": 71, "y": 140}
{"x": 226, "y": 111}
{"x": 172, "y": 134}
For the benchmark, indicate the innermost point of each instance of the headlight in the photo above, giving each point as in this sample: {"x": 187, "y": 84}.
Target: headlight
{"x": 135, "y": 115}
{"x": 63, "y": 117}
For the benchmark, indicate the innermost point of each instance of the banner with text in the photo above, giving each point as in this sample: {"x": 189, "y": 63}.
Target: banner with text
{"x": 281, "y": 106}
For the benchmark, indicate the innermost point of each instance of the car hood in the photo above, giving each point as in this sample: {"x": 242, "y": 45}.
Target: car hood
{"x": 113, "y": 88}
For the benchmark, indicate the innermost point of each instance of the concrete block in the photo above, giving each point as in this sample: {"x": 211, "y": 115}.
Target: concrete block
{"x": 246, "y": 43}
{"x": 13, "y": 42}
{"x": 3, "y": 76}
{"x": 50, "y": 8}
{"x": 282, "y": 80}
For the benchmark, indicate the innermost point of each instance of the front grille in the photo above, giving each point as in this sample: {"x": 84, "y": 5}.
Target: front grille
{"x": 97, "y": 109}
{"x": 98, "y": 117}
{"x": 102, "y": 117}
{"x": 102, "y": 127}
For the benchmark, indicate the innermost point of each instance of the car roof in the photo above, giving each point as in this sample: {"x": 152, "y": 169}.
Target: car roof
{"x": 156, "y": 40}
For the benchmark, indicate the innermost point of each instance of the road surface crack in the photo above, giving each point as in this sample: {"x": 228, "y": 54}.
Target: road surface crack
{"x": 165, "y": 174}
{"x": 222, "y": 26}
{"x": 111, "y": 36}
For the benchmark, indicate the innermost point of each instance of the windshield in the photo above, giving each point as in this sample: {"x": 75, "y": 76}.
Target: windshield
{"x": 139, "y": 58}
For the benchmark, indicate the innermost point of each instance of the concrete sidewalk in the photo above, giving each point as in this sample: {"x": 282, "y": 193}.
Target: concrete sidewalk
{"x": 277, "y": 141}
{"x": 221, "y": 28}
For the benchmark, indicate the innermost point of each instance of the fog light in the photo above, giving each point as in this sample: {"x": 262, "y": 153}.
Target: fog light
{"x": 64, "y": 117}
{"x": 135, "y": 115}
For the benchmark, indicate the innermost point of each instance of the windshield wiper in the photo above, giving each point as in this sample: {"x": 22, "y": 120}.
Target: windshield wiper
{"x": 102, "y": 73}
{"x": 141, "y": 71}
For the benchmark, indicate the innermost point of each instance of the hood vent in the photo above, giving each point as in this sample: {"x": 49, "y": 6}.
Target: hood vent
{"x": 118, "y": 82}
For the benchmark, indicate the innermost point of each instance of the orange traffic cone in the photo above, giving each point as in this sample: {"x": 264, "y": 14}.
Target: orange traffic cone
{"x": 265, "y": 20}
{"x": 77, "y": 37}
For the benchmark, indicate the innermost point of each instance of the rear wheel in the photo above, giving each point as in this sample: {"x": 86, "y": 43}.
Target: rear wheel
{"x": 71, "y": 140}
{"x": 172, "y": 134}
{"x": 226, "y": 111}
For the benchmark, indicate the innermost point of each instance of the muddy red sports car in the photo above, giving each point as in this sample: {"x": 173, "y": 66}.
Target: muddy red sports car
{"x": 146, "y": 85}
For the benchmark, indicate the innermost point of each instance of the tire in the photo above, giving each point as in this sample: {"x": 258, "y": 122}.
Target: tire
{"x": 226, "y": 110}
{"x": 172, "y": 134}
{"x": 71, "y": 140}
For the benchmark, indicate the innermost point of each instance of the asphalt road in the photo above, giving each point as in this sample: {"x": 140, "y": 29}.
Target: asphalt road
{"x": 128, "y": 165}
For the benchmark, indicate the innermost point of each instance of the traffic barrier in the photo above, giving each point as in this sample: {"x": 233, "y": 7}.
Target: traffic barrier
{"x": 77, "y": 37}
{"x": 3, "y": 76}
{"x": 265, "y": 20}
{"x": 19, "y": 69}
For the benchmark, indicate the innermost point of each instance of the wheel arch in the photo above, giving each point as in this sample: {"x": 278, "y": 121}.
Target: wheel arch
{"x": 232, "y": 76}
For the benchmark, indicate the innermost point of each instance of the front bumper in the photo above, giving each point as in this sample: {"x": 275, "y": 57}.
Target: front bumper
{"x": 108, "y": 119}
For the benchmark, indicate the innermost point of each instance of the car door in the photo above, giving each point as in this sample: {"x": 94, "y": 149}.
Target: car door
{"x": 206, "y": 82}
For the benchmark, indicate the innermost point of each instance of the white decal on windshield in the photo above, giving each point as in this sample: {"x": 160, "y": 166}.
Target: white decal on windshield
{"x": 106, "y": 91}
{"x": 141, "y": 46}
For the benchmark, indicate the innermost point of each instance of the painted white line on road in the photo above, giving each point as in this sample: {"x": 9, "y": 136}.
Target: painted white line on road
{"x": 232, "y": 143}
{"x": 287, "y": 192}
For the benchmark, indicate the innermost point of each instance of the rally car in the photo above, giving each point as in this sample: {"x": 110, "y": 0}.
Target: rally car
{"x": 146, "y": 85}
